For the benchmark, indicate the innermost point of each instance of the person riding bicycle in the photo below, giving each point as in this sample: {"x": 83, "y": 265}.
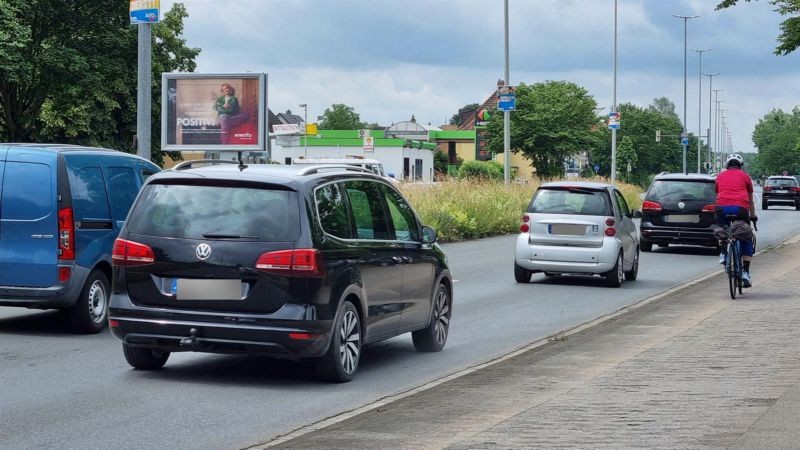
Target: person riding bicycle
{"x": 735, "y": 197}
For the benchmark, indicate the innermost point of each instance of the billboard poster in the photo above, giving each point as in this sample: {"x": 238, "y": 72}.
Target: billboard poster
{"x": 203, "y": 112}
{"x": 144, "y": 11}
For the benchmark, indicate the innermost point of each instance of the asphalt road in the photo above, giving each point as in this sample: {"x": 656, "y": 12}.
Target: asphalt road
{"x": 67, "y": 391}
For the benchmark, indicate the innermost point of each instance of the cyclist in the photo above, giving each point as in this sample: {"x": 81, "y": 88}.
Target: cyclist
{"x": 735, "y": 197}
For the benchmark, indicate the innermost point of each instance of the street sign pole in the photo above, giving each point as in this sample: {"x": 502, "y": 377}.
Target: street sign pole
{"x": 614, "y": 104}
{"x": 143, "y": 92}
{"x": 506, "y": 114}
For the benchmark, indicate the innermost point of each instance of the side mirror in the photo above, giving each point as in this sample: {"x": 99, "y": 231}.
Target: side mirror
{"x": 428, "y": 235}
{"x": 636, "y": 214}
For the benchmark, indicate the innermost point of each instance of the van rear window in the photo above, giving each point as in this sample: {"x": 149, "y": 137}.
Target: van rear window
{"x": 208, "y": 212}
{"x": 558, "y": 200}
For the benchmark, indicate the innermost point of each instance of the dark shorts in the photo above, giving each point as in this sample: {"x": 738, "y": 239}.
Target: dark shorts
{"x": 748, "y": 249}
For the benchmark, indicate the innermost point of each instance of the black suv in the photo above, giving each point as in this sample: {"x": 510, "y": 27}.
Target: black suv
{"x": 679, "y": 209}
{"x": 781, "y": 191}
{"x": 296, "y": 263}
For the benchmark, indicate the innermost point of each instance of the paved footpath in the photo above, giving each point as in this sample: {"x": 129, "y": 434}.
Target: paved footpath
{"x": 693, "y": 369}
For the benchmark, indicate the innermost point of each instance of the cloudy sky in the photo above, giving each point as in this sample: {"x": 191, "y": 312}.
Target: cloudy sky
{"x": 390, "y": 59}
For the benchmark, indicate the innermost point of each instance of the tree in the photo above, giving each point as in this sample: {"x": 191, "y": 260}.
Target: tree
{"x": 664, "y": 106}
{"x": 626, "y": 155}
{"x": 553, "y": 120}
{"x": 789, "y": 38}
{"x": 340, "y": 117}
{"x": 777, "y": 137}
{"x": 68, "y": 71}
{"x": 458, "y": 117}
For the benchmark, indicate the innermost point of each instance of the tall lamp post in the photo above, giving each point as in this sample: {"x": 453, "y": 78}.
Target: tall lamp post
{"x": 305, "y": 129}
{"x": 711, "y": 118}
{"x": 614, "y": 104}
{"x": 700, "y": 105}
{"x": 506, "y": 114}
{"x": 685, "y": 73}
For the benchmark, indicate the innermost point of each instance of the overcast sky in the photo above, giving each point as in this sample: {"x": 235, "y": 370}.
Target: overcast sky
{"x": 390, "y": 59}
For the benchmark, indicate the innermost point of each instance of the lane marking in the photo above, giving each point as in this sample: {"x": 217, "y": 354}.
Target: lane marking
{"x": 306, "y": 429}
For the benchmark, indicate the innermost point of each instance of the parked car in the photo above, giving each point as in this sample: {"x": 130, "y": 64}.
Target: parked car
{"x": 61, "y": 207}
{"x": 578, "y": 228}
{"x": 781, "y": 191}
{"x": 679, "y": 209}
{"x": 287, "y": 261}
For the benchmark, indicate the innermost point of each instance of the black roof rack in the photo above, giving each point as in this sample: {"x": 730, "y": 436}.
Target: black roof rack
{"x": 317, "y": 168}
{"x": 188, "y": 164}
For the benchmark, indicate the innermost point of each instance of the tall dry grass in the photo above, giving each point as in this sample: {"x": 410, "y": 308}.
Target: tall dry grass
{"x": 470, "y": 209}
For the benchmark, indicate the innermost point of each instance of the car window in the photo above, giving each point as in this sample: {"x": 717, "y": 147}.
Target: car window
{"x": 122, "y": 190}
{"x": 623, "y": 205}
{"x": 27, "y": 192}
{"x": 89, "y": 199}
{"x": 681, "y": 190}
{"x": 781, "y": 182}
{"x": 190, "y": 212}
{"x": 367, "y": 209}
{"x": 571, "y": 200}
{"x": 405, "y": 223}
{"x": 332, "y": 210}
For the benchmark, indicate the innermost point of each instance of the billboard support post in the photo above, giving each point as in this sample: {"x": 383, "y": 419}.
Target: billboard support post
{"x": 144, "y": 92}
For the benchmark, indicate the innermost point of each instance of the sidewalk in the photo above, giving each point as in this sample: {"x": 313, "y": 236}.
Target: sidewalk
{"x": 691, "y": 370}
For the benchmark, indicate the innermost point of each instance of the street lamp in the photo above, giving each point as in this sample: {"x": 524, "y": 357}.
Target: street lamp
{"x": 700, "y": 104}
{"x": 506, "y": 114}
{"x": 305, "y": 129}
{"x": 711, "y": 91}
{"x": 614, "y": 105}
{"x": 717, "y": 125}
{"x": 685, "y": 56}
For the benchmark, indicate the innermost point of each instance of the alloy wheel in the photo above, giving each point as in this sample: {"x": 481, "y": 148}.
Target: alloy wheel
{"x": 441, "y": 314}
{"x": 350, "y": 343}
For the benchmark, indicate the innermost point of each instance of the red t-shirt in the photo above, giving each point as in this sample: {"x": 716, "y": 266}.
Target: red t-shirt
{"x": 734, "y": 187}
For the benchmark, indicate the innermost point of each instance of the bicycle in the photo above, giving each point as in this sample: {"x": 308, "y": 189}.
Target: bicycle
{"x": 733, "y": 257}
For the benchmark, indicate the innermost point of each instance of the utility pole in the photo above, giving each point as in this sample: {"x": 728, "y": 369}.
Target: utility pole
{"x": 305, "y": 129}
{"x": 614, "y": 104}
{"x": 144, "y": 86}
{"x": 685, "y": 75}
{"x": 506, "y": 114}
{"x": 711, "y": 91}
{"x": 700, "y": 105}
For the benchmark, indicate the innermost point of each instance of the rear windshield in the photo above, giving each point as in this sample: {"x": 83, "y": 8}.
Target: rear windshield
{"x": 781, "y": 182}
{"x": 681, "y": 190}
{"x": 571, "y": 201}
{"x": 208, "y": 212}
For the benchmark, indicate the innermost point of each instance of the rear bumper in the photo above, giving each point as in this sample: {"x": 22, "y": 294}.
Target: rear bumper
{"x": 181, "y": 331}
{"x": 62, "y": 295}
{"x": 547, "y": 258}
{"x": 670, "y": 235}
{"x": 775, "y": 199}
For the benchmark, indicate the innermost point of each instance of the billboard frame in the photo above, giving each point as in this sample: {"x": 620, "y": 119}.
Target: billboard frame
{"x": 263, "y": 133}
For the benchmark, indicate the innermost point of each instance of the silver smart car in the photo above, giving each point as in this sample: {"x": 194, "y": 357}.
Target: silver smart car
{"x": 578, "y": 228}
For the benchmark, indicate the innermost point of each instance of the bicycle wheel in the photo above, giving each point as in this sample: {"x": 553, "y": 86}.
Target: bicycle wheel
{"x": 732, "y": 269}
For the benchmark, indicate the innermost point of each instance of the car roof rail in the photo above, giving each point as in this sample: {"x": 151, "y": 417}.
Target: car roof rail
{"x": 310, "y": 170}
{"x": 188, "y": 164}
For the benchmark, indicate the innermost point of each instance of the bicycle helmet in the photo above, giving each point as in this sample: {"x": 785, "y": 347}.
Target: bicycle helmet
{"x": 734, "y": 159}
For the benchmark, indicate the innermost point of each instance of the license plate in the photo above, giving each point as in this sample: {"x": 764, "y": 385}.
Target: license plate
{"x": 567, "y": 229}
{"x": 682, "y": 218}
{"x": 188, "y": 289}
{"x": 782, "y": 191}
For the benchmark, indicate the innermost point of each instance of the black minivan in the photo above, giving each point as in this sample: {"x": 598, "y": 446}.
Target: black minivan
{"x": 312, "y": 262}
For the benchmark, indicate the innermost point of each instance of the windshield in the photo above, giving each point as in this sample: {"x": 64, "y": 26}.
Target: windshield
{"x": 571, "y": 201}
{"x": 681, "y": 190}
{"x": 207, "y": 212}
{"x": 781, "y": 182}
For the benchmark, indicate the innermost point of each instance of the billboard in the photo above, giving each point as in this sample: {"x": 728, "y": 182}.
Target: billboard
{"x": 213, "y": 111}
{"x": 144, "y": 11}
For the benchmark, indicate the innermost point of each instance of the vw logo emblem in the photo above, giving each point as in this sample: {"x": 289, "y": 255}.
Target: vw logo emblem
{"x": 681, "y": 205}
{"x": 203, "y": 251}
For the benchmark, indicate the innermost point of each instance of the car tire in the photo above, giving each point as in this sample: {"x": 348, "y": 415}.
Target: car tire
{"x": 646, "y": 246}
{"x": 631, "y": 275}
{"x": 433, "y": 337}
{"x": 797, "y": 206}
{"x": 145, "y": 358}
{"x": 764, "y": 205}
{"x": 340, "y": 362}
{"x": 614, "y": 276}
{"x": 89, "y": 314}
{"x": 521, "y": 274}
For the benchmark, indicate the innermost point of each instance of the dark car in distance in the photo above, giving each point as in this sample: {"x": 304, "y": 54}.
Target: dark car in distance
{"x": 310, "y": 262}
{"x": 780, "y": 191}
{"x": 679, "y": 209}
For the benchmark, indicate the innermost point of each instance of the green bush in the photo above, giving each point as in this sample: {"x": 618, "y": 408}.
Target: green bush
{"x": 480, "y": 170}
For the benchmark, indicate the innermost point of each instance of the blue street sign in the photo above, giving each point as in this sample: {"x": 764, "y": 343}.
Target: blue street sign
{"x": 685, "y": 141}
{"x": 596, "y": 168}
{"x": 508, "y": 102}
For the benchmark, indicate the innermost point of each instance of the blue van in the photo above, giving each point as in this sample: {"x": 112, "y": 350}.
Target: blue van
{"x": 61, "y": 207}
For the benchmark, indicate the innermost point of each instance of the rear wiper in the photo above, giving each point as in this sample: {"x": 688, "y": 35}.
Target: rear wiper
{"x": 226, "y": 236}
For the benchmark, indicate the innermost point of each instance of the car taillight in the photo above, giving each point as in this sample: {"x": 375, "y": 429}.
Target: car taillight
{"x": 767, "y": 188}
{"x": 610, "y": 222}
{"x": 709, "y": 208}
{"x": 66, "y": 234}
{"x": 526, "y": 218}
{"x": 524, "y": 228}
{"x": 295, "y": 263}
{"x": 64, "y": 273}
{"x": 648, "y": 206}
{"x": 611, "y": 231}
{"x": 796, "y": 189}
{"x": 128, "y": 254}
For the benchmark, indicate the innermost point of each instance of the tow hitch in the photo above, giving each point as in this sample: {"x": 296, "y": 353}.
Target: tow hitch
{"x": 190, "y": 341}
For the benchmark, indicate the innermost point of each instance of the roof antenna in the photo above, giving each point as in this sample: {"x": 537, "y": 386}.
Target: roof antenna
{"x": 242, "y": 165}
